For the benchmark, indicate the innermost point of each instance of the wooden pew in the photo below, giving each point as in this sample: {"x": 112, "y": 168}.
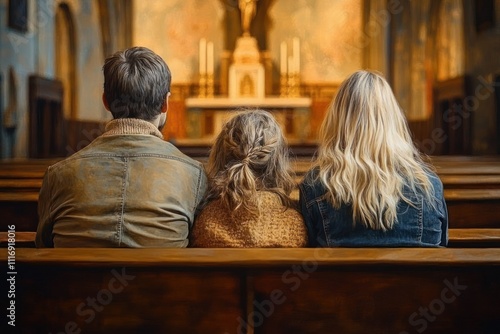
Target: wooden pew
{"x": 20, "y": 208}
{"x": 466, "y": 165}
{"x": 444, "y": 164}
{"x": 474, "y": 237}
{"x": 257, "y": 290}
{"x": 22, "y": 239}
{"x": 467, "y": 181}
{"x": 458, "y": 238}
{"x": 25, "y": 169}
{"x": 472, "y": 186}
{"x": 458, "y": 172}
{"x": 467, "y": 208}
{"x": 473, "y": 208}
{"x": 20, "y": 182}
{"x": 20, "y": 185}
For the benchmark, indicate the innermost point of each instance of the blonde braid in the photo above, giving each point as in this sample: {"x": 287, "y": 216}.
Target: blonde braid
{"x": 249, "y": 155}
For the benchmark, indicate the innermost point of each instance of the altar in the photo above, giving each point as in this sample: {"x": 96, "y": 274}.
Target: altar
{"x": 246, "y": 78}
{"x": 206, "y": 116}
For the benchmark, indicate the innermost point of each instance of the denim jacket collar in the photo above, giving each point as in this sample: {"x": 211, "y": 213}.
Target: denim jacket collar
{"x": 131, "y": 126}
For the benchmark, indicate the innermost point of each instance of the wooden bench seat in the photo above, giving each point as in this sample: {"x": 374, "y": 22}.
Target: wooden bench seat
{"x": 467, "y": 208}
{"x": 458, "y": 238}
{"x": 454, "y": 168}
{"x": 474, "y": 237}
{"x": 478, "y": 181}
{"x": 361, "y": 290}
{"x": 444, "y": 166}
{"x": 22, "y": 239}
{"x": 472, "y": 189}
{"x": 25, "y": 169}
{"x": 458, "y": 165}
{"x": 473, "y": 208}
{"x": 21, "y": 208}
{"x": 467, "y": 165}
{"x": 20, "y": 185}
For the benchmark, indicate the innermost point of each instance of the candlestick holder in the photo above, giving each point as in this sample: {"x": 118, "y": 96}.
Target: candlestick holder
{"x": 210, "y": 86}
{"x": 293, "y": 85}
{"x": 202, "y": 92}
{"x": 283, "y": 85}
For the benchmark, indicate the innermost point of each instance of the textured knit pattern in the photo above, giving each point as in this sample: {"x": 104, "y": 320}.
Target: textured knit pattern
{"x": 277, "y": 226}
{"x": 131, "y": 126}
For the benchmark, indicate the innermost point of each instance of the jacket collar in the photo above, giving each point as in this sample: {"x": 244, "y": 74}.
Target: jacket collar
{"x": 131, "y": 126}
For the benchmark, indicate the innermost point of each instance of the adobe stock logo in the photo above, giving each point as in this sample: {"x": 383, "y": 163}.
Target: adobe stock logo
{"x": 265, "y": 308}
{"x": 95, "y": 304}
{"x": 420, "y": 320}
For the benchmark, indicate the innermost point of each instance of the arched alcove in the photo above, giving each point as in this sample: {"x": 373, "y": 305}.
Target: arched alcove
{"x": 10, "y": 115}
{"x": 410, "y": 65}
{"x": 104, "y": 21}
{"x": 452, "y": 118}
{"x": 259, "y": 27}
{"x": 65, "y": 60}
{"x": 450, "y": 40}
{"x": 115, "y": 20}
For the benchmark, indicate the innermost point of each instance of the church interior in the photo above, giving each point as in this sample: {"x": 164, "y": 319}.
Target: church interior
{"x": 289, "y": 57}
{"x": 440, "y": 57}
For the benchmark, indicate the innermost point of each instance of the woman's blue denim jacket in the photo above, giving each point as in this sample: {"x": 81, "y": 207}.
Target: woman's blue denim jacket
{"x": 422, "y": 225}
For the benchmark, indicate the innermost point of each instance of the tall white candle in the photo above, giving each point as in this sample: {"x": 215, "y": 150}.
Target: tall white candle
{"x": 283, "y": 59}
{"x": 291, "y": 69}
{"x": 210, "y": 58}
{"x": 203, "y": 56}
{"x": 296, "y": 55}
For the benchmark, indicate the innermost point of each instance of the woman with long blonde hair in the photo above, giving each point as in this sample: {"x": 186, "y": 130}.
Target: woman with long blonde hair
{"x": 247, "y": 203}
{"x": 369, "y": 185}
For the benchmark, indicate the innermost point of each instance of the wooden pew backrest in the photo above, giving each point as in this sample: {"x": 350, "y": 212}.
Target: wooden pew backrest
{"x": 458, "y": 238}
{"x": 359, "y": 290}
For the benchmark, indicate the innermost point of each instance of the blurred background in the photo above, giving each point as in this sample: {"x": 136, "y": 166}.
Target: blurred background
{"x": 441, "y": 57}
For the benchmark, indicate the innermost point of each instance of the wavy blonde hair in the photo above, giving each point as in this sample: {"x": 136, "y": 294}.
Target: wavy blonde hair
{"x": 366, "y": 154}
{"x": 250, "y": 154}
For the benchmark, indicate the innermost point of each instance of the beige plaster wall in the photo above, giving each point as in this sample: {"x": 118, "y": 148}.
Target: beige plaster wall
{"x": 330, "y": 34}
{"x": 173, "y": 30}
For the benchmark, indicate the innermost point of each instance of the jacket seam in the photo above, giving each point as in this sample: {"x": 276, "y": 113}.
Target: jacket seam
{"x": 324, "y": 221}
{"x": 198, "y": 185}
{"x": 50, "y": 194}
{"x": 127, "y": 156}
{"x": 309, "y": 202}
{"x": 421, "y": 217}
{"x": 122, "y": 209}
{"x": 51, "y": 220}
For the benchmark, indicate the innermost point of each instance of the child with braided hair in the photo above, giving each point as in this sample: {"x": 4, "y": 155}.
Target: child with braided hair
{"x": 247, "y": 203}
